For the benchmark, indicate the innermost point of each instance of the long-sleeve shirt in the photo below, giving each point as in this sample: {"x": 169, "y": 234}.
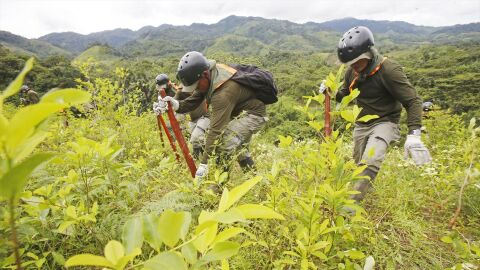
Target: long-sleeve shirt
{"x": 227, "y": 101}
{"x": 200, "y": 111}
{"x": 384, "y": 93}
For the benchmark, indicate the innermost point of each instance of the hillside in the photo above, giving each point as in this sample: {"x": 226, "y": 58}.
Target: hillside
{"x": 459, "y": 28}
{"x": 76, "y": 43}
{"x": 114, "y": 196}
{"x": 341, "y": 25}
{"x": 256, "y": 34}
{"x": 49, "y": 72}
{"x": 98, "y": 53}
{"x": 281, "y": 34}
{"x": 453, "y": 86}
{"x": 30, "y": 46}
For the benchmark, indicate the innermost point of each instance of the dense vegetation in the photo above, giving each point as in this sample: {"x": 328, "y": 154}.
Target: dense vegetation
{"x": 451, "y": 86}
{"x": 50, "y": 72}
{"x": 111, "y": 179}
{"x": 446, "y": 75}
{"x": 29, "y": 46}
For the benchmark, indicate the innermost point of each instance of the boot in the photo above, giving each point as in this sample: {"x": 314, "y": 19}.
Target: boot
{"x": 215, "y": 189}
{"x": 247, "y": 164}
{"x": 364, "y": 185}
{"x": 197, "y": 152}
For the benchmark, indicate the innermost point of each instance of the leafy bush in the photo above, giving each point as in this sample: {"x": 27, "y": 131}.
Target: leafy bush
{"x": 111, "y": 178}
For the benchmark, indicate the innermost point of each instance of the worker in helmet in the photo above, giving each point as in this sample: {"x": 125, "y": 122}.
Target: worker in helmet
{"x": 384, "y": 90}
{"x": 28, "y": 96}
{"x": 199, "y": 120}
{"x": 236, "y": 112}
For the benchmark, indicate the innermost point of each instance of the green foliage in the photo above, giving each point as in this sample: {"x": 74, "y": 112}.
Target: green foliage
{"x": 115, "y": 257}
{"x": 451, "y": 86}
{"x": 166, "y": 230}
{"x": 30, "y": 47}
{"x": 111, "y": 178}
{"x": 470, "y": 252}
{"x": 313, "y": 191}
{"x": 102, "y": 54}
{"x": 51, "y": 72}
{"x": 19, "y": 136}
{"x": 25, "y": 130}
{"x": 14, "y": 180}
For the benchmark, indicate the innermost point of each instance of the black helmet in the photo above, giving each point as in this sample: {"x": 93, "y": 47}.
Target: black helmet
{"x": 161, "y": 79}
{"x": 354, "y": 42}
{"x": 427, "y": 106}
{"x": 191, "y": 67}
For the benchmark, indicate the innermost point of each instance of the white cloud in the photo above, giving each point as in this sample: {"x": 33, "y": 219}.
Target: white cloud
{"x": 34, "y": 18}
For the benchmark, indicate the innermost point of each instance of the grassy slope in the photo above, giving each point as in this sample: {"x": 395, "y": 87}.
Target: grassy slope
{"x": 99, "y": 53}
{"x": 446, "y": 75}
{"x": 409, "y": 210}
{"x": 411, "y": 207}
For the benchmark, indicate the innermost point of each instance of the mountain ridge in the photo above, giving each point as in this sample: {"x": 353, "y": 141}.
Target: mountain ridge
{"x": 30, "y": 46}
{"x": 267, "y": 33}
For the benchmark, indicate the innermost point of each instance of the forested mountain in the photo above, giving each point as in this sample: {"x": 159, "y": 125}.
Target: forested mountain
{"x": 459, "y": 28}
{"x": 76, "y": 43}
{"x": 50, "y": 72}
{"x": 29, "y": 46}
{"x": 246, "y": 35}
{"x": 292, "y": 51}
{"x": 101, "y": 53}
{"x": 379, "y": 26}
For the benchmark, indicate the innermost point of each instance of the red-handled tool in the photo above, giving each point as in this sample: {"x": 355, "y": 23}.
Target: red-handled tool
{"x": 161, "y": 123}
{"x": 179, "y": 136}
{"x": 160, "y": 131}
{"x": 328, "y": 127}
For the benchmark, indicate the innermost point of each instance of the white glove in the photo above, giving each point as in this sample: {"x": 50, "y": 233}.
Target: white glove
{"x": 322, "y": 88}
{"x": 174, "y": 102}
{"x": 415, "y": 148}
{"x": 159, "y": 107}
{"x": 202, "y": 171}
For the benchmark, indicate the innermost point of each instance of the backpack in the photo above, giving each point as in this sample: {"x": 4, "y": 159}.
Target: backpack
{"x": 256, "y": 79}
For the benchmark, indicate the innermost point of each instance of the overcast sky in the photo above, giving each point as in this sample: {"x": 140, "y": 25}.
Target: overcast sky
{"x": 34, "y": 18}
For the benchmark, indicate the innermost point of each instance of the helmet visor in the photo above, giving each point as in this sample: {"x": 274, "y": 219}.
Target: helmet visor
{"x": 161, "y": 86}
{"x": 366, "y": 55}
{"x": 190, "y": 88}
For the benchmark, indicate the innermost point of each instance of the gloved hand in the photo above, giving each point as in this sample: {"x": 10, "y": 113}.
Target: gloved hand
{"x": 159, "y": 107}
{"x": 202, "y": 171}
{"x": 174, "y": 102}
{"x": 322, "y": 88}
{"x": 415, "y": 148}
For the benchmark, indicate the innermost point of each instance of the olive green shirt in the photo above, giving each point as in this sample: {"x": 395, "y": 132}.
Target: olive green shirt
{"x": 200, "y": 111}
{"x": 227, "y": 100}
{"x": 29, "y": 97}
{"x": 384, "y": 93}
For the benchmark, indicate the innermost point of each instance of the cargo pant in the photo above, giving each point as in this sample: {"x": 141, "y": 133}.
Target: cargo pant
{"x": 198, "y": 128}
{"x": 238, "y": 134}
{"x": 370, "y": 147}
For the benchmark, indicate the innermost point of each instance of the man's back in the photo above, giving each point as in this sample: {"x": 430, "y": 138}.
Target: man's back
{"x": 32, "y": 97}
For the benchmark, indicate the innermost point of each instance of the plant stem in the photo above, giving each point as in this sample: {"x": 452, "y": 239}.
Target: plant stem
{"x": 14, "y": 234}
{"x": 85, "y": 183}
{"x": 135, "y": 266}
{"x": 460, "y": 196}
